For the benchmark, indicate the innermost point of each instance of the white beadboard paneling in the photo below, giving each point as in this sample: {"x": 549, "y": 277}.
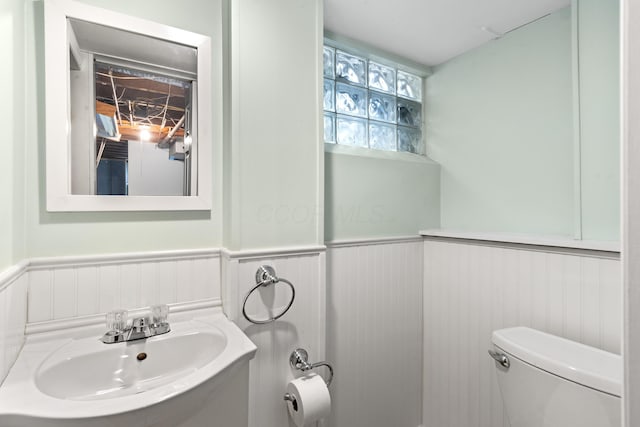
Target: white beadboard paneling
{"x": 13, "y": 313}
{"x": 4, "y": 332}
{"x": 206, "y": 281}
{"x": 87, "y": 291}
{"x": 108, "y": 288}
{"x": 471, "y": 289}
{"x": 131, "y": 283}
{"x": 302, "y": 326}
{"x": 186, "y": 276}
{"x": 374, "y": 333}
{"x": 611, "y": 301}
{"x": 40, "y": 295}
{"x": 167, "y": 276}
{"x": 65, "y": 288}
{"x": 16, "y": 318}
{"x": 64, "y": 293}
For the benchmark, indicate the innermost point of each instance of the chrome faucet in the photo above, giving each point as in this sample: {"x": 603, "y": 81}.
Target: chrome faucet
{"x": 140, "y": 328}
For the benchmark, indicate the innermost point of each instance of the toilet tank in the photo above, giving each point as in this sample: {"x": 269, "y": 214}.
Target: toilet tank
{"x": 555, "y": 382}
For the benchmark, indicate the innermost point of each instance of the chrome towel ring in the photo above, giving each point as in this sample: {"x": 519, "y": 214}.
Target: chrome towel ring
{"x": 266, "y": 276}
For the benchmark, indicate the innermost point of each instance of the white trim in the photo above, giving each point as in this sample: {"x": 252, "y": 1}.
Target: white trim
{"x": 120, "y": 258}
{"x": 345, "y": 243}
{"x": 523, "y": 239}
{"x": 320, "y": 168}
{"x": 630, "y": 153}
{"x": 274, "y": 253}
{"x": 577, "y": 125}
{"x": 402, "y": 156}
{"x": 96, "y": 319}
{"x": 11, "y": 274}
{"x": 586, "y": 253}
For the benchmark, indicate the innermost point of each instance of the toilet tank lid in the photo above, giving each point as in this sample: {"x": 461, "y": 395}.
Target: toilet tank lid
{"x": 573, "y": 361}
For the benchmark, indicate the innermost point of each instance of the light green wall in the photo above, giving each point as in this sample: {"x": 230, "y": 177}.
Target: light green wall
{"x": 50, "y": 234}
{"x": 379, "y": 194}
{"x": 273, "y": 190}
{"x": 599, "y": 59}
{"x": 499, "y": 121}
{"x": 273, "y": 160}
{"x": 506, "y": 164}
{"x": 12, "y": 85}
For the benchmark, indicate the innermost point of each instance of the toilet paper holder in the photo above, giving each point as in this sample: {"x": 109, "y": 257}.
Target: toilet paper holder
{"x": 299, "y": 360}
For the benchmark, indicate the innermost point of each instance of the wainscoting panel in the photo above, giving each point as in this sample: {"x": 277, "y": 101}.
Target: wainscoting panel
{"x": 13, "y": 318}
{"x": 302, "y": 326}
{"x": 65, "y": 288}
{"x": 374, "y": 332}
{"x": 472, "y": 289}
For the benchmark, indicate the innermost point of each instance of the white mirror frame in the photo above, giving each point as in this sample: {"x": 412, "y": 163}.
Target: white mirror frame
{"x": 58, "y": 148}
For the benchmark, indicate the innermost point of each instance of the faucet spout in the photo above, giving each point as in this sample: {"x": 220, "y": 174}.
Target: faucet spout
{"x": 140, "y": 328}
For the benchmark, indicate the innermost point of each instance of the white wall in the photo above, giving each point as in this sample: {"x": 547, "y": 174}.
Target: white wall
{"x": 82, "y": 139}
{"x": 374, "y": 333}
{"x": 152, "y": 173}
{"x": 13, "y": 316}
{"x": 472, "y": 289}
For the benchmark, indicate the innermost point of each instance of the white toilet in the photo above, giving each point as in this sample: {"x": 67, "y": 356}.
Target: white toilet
{"x": 548, "y": 381}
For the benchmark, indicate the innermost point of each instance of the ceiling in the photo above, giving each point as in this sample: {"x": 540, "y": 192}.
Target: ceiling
{"x": 431, "y": 32}
{"x": 145, "y": 101}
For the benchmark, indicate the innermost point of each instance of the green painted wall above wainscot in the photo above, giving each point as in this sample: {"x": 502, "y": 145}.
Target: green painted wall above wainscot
{"x": 370, "y": 194}
{"x": 51, "y": 234}
{"x": 525, "y": 128}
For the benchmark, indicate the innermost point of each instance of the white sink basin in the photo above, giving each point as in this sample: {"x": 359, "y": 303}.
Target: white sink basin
{"x": 197, "y": 374}
{"x": 89, "y": 369}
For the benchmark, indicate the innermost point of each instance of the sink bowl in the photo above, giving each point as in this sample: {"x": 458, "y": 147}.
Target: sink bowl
{"x": 93, "y": 370}
{"x": 195, "y": 375}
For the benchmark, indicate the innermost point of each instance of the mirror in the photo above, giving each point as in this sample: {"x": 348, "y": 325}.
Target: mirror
{"x": 122, "y": 110}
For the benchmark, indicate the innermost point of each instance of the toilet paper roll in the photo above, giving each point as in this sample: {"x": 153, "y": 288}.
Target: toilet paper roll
{"x": 312, "y": 399}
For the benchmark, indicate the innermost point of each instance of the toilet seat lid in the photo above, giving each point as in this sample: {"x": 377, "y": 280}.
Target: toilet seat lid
{"x": 580, "y": 363}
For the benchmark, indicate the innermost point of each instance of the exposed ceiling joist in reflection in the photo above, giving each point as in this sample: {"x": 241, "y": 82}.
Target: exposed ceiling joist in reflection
{"x": 146, "y": 107}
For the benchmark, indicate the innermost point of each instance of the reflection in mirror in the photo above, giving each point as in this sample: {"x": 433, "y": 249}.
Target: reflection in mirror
{"x": 142, "y": 125}
{"x": 123, "y": 95}
{"x": 141, "y": 118}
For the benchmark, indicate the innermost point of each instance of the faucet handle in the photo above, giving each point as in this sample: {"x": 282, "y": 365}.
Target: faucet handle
{"x": 117, "y": 320}
{"x": 159, "y": 313}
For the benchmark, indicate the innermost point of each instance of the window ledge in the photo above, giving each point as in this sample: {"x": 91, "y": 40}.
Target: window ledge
{"x": 377, "y": 154}
{"x": 525, "y": 239}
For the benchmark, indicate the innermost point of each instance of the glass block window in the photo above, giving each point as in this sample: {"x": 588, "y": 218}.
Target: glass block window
{"x": 371, "y": 105}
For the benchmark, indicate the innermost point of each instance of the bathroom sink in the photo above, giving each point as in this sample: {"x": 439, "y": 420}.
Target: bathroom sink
{"x": 197, "y": 374}
{"x": 91, "y": 370}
